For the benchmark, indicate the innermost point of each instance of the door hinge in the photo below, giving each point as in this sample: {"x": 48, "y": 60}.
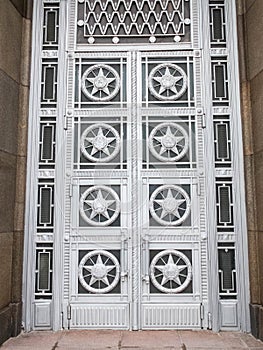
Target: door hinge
{"x": 201, "y": 114}
{"x": 209, "y": 320}
{"x": 68, "y": 312}
{"x": 146, "y": 279}
{"x": 67, "y": 118}
{"x": 62, "y": 320}
{"x": 202, "y": 310}
{"x": 70, "y": 190}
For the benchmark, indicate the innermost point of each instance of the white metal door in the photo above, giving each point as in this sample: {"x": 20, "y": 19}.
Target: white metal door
{"x": 135, "y": 215}
{"x": 135, "y": 241}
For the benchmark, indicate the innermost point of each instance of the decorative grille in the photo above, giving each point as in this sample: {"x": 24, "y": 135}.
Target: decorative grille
{"x": 170, "y": 205}
{"x": 50, "y": 26}
{"x": 99, "y": 272}
{"x": 47, "y": 143}
{"x": 99, "y": 206}
{"x": 223, "y": 116}
{"x": 217, "y": 23}
{"x": 170, "y": 144}
{"x": 100, "y": 82}
{"x": 45, "y": 205}
{"x": 133, "y": 21}
{"x": 169, "y": 81}
{"x": 100, "y": 143}
{"x": 49, "y": 83}
{"x": 222, "y": 140}
{"x": 171, "y": 271}
{"x": 44, "y": 271}
{"x": 227, "y": 271}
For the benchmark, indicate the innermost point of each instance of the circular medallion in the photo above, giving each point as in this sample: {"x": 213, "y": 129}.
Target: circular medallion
{"x": 167, "y": 82}
{"x": 100, "y": 83}
{"x": 168, "y": 142}
{"x": 99, "y": 206}
{"x": 169, "y": 205}
{"x": 99, "y": 271}
{"x": 170, "y": 271}
{"x": 100, "y": 143}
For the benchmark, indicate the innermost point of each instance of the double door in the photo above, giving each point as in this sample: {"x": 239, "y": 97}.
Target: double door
{"x": 135, "y": 254}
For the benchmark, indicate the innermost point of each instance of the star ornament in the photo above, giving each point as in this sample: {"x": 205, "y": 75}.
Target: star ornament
{"x": 169, "y": 205}
{"x": 100, "y": 143}
{"x": 169, "y": 142}
{"x": 98, "y": 272}
{"x": 100, "y": 82}
{"x": 171, "y": 271}
{"x": 99, "y": 206}
{"x": 167, "y": 81}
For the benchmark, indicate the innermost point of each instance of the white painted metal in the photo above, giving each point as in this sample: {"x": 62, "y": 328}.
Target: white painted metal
{"x": 135, "y": 228}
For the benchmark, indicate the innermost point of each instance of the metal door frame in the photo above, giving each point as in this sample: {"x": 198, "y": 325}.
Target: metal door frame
{"x": 52, "y": 309}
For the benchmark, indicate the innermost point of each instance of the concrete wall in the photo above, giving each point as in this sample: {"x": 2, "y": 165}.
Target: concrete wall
{"x": 250, "y": 22}
{"x": 15, "y": 28}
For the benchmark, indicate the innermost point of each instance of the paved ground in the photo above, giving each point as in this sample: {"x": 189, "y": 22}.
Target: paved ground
{"x": 142, "y": 340}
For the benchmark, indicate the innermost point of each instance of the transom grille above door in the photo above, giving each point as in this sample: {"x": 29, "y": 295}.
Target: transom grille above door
{"x": 130, "y": 21}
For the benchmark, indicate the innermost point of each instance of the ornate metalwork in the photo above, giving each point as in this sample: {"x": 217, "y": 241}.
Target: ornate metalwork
{"x": 45, "y": 205}
{"x": 99, "y": 271}
{"x": 220, "y": 81}
{"x": 100, "y": 83}
{"x": 100, "y": 143}
{"x": 167, "y": 81}
{"x": 133, "y": 21}
{"x": 224, "y": 204}
{"x": 168, "y": 142}
{"x": 170, "y": 205}
{"x": 44, "y": 270}
{"x": 171, "y": 271}
{"x": 217, "y": 23}
{"x": 99, "y": 206}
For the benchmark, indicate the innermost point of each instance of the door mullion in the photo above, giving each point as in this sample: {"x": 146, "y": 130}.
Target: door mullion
{"x": 134, "y": 195}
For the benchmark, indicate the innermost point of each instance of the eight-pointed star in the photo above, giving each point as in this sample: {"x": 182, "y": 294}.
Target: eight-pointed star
{"x": 168, "y": 82}
{"x": 171, "y": 271}
{"x": 98, "y": 272}
{"x": 99, "y": 206}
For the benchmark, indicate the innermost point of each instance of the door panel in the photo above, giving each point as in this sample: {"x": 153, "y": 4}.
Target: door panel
{"x": 135, "y": 207}
{"x": 125, "y": 215}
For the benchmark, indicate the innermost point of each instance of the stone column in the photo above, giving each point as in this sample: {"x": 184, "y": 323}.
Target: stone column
{"x": 15, "y": 41}
{"x": 250, "y": 28}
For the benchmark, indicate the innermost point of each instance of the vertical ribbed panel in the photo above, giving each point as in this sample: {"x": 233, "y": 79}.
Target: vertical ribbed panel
{"x": 171, "y": 316}
{"x": 100, "y": 316}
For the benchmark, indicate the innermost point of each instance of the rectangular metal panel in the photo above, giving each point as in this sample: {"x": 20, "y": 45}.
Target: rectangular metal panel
{"x": 42, "y": 314}
{"x": 100, "y": 316}
{"x": 229, "y": 314}
{"x": 158, "y": 316}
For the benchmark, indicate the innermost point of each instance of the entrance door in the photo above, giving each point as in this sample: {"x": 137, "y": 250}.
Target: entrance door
{"x": 135, "y": 241}
{"x": 135, "y": 206}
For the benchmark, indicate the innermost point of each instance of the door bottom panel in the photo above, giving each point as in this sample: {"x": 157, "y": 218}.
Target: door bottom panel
{"x": 174, "y": 316}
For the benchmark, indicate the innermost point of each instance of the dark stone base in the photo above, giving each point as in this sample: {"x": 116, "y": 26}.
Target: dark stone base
{"x": 10, "y": 321}
{"x": 256, "y": 317}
